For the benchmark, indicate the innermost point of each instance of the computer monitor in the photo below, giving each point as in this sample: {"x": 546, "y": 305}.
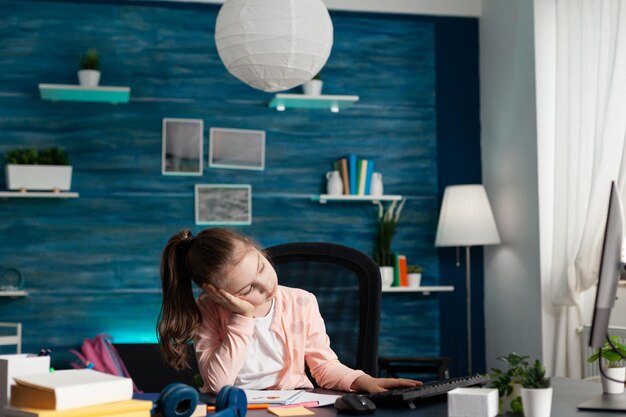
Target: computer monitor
{"x": 611, "y": 269}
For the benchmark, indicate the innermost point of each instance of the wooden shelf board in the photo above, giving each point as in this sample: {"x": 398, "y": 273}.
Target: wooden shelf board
{"x": 303, "y": 101}
{"x": 323, "y": 198}
{"x": 69, "y": 92}
{"x": 424, "y": 289}
{"x": 38, "y": 194}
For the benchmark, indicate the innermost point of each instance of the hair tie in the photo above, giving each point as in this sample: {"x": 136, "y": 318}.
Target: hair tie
{"x": 185, "y": 244}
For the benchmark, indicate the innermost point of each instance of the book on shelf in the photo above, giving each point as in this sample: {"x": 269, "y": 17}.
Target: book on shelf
{"x": 343, "y": 170}
{"x": 362, "y": 175}
{"x": 368, "y": 176}
{"x": 71, "y": 388}
{"x": 352, "y": 173}
{"x": 400, "y": 275}
{"x": 128, "y": 408}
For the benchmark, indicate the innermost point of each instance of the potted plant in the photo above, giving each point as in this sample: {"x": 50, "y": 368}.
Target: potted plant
{"x": 313, "y": 87}
{"x": 415, "y": 275}
{"x": 383, "y": 254}
{"x": 612, "y": 365}
{"x": 536, "y": 390}
{"x": 32, "y": 169}
{"x": 507, "y": 382}
{"x": 89, "y": 73}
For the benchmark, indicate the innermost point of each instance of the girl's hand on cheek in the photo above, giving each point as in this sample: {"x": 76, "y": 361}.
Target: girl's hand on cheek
{"x": 229, "y": 301}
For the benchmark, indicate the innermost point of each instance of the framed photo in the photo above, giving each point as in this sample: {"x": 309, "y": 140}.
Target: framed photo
{"x": 237, "y": 148}
{"x": 182, "y": 146}
{"x": 223, "y": 204}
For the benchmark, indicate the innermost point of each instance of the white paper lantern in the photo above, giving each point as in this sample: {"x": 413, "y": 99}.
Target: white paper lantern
{"x": 274, "y": 45}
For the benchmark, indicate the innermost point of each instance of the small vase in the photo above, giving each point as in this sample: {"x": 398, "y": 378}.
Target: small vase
{"x": 312, "y": 88}
{"x": 613, "y": 387}
{"x": 415, "y": 279}
{"x": 386, "y": 276}
{"x": 537, "y": 402}
{"x": 89, "y": 78}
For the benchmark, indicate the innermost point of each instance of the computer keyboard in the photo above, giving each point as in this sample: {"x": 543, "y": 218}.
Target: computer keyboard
{"x": 403, "y": 397}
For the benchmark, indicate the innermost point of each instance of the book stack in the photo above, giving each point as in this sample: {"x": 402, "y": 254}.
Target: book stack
{"x": 356, "y": 174}
{"x": 75, "y": 393}
{"x": 400, "y": 273}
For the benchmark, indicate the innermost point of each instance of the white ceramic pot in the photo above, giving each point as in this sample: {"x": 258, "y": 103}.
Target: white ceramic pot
{"x": 334, "y": 184}
{"x": 415, "y": 279}
{"x": 313, "y": 87}
{"x": 613, "y": 387}
{"x": 89, "y": 78}
{"x": 376, "y": 187}
{"x": 537, "y": 402}
{"x": 39, "y": 177}
{"x": 386, "y": 276}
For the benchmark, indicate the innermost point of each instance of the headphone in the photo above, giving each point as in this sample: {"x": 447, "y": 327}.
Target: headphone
{"x": 180, "y": 400}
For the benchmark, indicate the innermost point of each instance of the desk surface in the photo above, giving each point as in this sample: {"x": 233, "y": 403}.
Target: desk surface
{"x": 568, "y": 393}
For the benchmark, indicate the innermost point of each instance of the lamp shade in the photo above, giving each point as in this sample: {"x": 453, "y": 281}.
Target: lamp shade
{"x": 466, "y": 218}
{"x": 273, "y": 45}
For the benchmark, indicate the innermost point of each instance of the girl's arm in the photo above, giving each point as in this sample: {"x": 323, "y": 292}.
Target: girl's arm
{"x": 221, "y": 348}
{"x": 322, "y": 361}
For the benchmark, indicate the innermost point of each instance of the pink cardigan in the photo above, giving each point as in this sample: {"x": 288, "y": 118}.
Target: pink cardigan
{"x": 222, "y": 344}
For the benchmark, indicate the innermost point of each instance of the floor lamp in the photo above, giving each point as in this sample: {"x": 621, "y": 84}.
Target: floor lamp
{"x": 466, "y": 220}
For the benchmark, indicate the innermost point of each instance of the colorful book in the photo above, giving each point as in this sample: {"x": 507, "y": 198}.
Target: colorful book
{"x": 403, "y": 274}
{"x": 128, "y": 408}
{"x": 396, "y": 271}
{"x": 343, "y": 165}
{"x": 71, "y": 388}
{"x": 363, "y": 163}
{"x": 368, "y": 176}
{"x": 352, "y": 173}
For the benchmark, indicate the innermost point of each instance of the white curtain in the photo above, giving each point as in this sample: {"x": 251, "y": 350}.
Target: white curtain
{"x": 590, "y": 131}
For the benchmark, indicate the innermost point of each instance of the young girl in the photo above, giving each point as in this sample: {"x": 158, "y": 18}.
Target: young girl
{"x": 247, "y": 330}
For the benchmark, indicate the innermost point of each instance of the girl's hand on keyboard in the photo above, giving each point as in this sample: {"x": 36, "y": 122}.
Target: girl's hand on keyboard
{"x": 366, "y": 383}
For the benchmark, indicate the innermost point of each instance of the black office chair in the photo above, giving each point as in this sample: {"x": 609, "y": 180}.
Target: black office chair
{"x": 346, "y": 283}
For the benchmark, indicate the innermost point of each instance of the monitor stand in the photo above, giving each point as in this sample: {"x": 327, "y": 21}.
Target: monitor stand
{"x": 606, "y": 402}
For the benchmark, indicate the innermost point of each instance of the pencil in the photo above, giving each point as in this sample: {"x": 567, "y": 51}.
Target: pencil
{"x": 211, "y": 408}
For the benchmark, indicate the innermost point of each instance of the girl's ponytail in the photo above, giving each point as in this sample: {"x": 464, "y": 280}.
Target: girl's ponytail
{"x": 179, "y": 318}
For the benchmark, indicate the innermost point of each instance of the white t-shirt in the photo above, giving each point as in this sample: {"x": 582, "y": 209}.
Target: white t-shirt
{"x": 265, "y": 357}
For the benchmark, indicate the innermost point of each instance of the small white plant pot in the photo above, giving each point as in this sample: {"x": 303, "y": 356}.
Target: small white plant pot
{"x": 537, "y": 402}
{"x": 415, "y": 279}
{"x": 313, "y": 87}
{"x": 613, "y": 387}
{"x": 386, "y": 276}
{"x": 89, "y": 78}
{"x": 38, "y": 177}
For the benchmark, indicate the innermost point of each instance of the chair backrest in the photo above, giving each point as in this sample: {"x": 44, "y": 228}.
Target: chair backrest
{"x": 347, "y": 285}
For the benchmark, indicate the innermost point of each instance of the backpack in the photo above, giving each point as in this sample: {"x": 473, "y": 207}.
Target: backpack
{"x": 99, "y": 354}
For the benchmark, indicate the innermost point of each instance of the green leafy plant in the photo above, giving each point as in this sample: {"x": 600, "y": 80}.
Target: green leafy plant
{"x": 503, "y": 381}
{"x": 32, "y": 156}
{"x": 534, "y": 376}
{"x": 414, "y": 269}
{"x": 90, "y": 60}
{"x": 612, "y": 358}
{"x": 387, "y": 222}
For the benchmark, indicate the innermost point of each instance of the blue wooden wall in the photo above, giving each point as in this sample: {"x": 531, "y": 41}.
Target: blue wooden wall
{"x": 91, "y": 264}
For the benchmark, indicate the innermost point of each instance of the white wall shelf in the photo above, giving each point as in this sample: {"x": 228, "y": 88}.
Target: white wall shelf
{"x": 425, "y": 289}
{"x": 17, "y": 293}
{"x": 70, "y": 92}
{"x": 38, "y": 194}
{"x": 282, "y": 102}
{"x": 324, "y": 198}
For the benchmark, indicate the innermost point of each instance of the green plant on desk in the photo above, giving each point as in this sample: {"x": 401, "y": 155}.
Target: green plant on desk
{"x": 505, "y": 381}
{"x": 534, "y": 376}
{"x": 613, "y": 359}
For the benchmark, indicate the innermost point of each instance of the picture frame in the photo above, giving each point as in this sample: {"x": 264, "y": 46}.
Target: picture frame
{"x": 236, "y": 148}
{"x": 182, "y": 146}
{"x": 223, "y": 204}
